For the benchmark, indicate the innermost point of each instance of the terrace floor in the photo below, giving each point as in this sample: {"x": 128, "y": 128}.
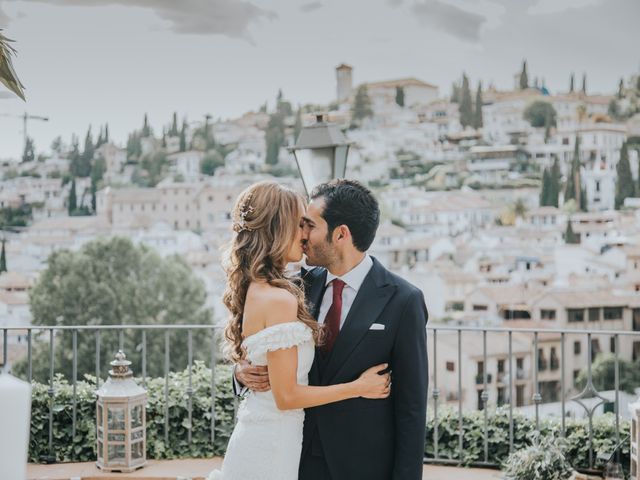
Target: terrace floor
{"x": 197, "y": 469}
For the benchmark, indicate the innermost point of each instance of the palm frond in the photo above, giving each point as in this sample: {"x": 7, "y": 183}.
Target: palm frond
{"x": 8, "y": 75}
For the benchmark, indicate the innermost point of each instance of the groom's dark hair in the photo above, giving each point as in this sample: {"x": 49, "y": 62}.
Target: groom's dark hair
{"x": 347, "y": 202}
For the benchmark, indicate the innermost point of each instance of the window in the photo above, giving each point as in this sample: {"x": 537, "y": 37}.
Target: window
{"x": 501, "y": 396}
{"x": 480, "y": 402}
{"x": 480, "y": 308}
{"x": 451, "y": 367}
{"x": 594, "y": 314}
{"x": 577, "y": 348}
{"x": 612, "y": 344}
{"x": 554, "y": 360}
{"x": 613, "y": 313}
{"x": 480, "y": 369}
{"x": 636, "y": 319}
{"x": 542, "y": 362}
{"x": 636, "y": 351}
{"x": 595, "y": 348}
{"x": 547, "y": 314}
{"x": 576, "y": 374}
{"x": 575, "y": 314}
{"x": 500, "y": 366}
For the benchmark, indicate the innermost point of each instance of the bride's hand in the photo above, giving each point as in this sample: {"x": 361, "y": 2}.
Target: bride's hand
{"x": 373, "y": 385}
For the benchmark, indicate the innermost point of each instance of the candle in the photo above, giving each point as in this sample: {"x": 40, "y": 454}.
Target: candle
{"x": 15, "y": 412}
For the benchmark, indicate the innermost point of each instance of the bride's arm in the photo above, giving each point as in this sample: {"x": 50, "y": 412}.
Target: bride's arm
{"x": 283, "y": 366}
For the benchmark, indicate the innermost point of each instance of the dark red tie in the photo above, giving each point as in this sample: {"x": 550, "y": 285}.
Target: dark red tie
{"x": 332, "y": 320}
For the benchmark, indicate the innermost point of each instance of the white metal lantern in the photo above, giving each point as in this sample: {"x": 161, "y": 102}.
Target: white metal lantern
{"x": 635, "y": 440}
{"x": 121, "y": 420}
{"x": 321, "y": 153}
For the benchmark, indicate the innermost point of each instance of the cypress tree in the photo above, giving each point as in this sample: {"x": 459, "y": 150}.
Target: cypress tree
{"x": 3, "y": 258}
{"x": 555, "y": 177}
{"x": 93, "y": 195}
{"x": 625, "y": 187}
{"x": 524, "y": 77}
{"x": 466, "y": 107}
{"x": 183, "y": 137}
{"x": 87, "y": 155}
{"x": 400, "y": 96}
{"x": 29, "y": 154}
{"x": 572, "y": 82}
{"x": 106, "y": 133}
{"x": 73, "y": 200}
{"x": 620, "y": 89}
{"x": 477, "y": 118}
{"x": 146, "y": 129}
{"x": 361, "y": 106}
{"x": 573, "y": 187}
{"x": 173, "y": 131}
{"x": 584, "y": 83}
{"x": 545, "y": 191}
{"x": 455, "y": 93}
{"x": 569, "y": 236}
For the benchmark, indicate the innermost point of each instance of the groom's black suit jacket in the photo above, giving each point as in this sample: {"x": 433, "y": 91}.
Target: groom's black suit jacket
{"x": 362, "y": 438}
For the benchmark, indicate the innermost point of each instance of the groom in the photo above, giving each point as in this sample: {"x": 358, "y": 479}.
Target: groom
{"x": 372, "y": 316}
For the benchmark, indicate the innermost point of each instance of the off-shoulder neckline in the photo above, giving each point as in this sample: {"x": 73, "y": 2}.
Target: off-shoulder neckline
{"x": 272, "y": 327}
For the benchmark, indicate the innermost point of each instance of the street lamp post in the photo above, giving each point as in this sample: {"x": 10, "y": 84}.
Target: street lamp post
{"x": 321, "y": 153}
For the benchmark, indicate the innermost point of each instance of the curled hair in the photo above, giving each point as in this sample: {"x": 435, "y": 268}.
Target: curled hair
{"x": 269, "y": 215}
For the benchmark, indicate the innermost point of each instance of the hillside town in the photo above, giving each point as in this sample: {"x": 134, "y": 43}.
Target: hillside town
{"x": 515, "y": 209}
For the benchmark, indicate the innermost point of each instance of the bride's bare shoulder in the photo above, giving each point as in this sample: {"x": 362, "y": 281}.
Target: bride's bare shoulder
{"x": 267, "y": 305}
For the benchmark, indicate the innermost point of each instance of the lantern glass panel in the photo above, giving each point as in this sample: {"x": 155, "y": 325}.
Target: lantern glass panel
{"x": 316, "y": 165}
{"x": 136, "y": 451}
{"x": 116, "y": 455}
{"x": 99, "y": 416}
{"x": 116, "y": 437}
{"x": 115, "y": 420}
{"x": 100, "y": 454}
{"x": 136, "y": 416}
{"x": 137, "y": 435}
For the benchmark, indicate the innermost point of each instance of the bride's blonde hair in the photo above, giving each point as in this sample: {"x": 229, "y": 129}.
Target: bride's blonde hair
{"x": 265, "y": 218}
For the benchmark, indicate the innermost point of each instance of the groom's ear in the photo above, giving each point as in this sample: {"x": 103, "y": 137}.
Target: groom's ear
{"x": 342, "y": 232}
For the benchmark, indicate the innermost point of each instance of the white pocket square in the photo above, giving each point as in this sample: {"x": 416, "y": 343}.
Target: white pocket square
{"x": 376, "y": 326}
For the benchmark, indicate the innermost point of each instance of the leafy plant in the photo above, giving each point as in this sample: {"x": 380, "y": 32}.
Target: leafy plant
{"x": 544, "y": 460}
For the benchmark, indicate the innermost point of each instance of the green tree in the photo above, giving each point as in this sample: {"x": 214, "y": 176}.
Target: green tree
{"x": 573, "y": 188}
{"x": 94, "y": 202}
{"x": 400, "y": 96}
{"x": 540, "y": 114}
{"x": 134, "y": 146}
{"x": 74, "y": 157}
{"x": 477, "y": 117}
{"x": 3, "y": 257}
{"x": 183, "y": 136}
{"x": 73, "y": 199}
{"x": 620, "y": 93}
{"x": 211, "y": 162}
{"x": 555, "y": 180}
{"x": 114, "y": 282}
{"x": 572, "y": 82}
{"x": 524, "y": 77}
{"x": 466, "y": 106}
{"x": 274, "y": 138}
{"x": 87, "y": 155}
{"x": 614, "y": 109}
{"x": 584, "y": 83}
{"x": 625, "y": 186}
{"x": 569, "y": 236}
{"x": 29, "y": 154}
{"x": 146, "y": 129}
{"x": 173, "y": 131}
{"x": 361, "y": 106}
{"x": 106, "y": 133}
{"x": 603, "y": 374}
{"x": 455, "y": 93}
{"x": 545, "y": 190}
{"x": 98, "y": 169}
{"x": 156, "y": 165}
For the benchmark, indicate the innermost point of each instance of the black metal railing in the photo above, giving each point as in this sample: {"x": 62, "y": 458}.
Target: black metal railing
{"x": 505, "y": 378}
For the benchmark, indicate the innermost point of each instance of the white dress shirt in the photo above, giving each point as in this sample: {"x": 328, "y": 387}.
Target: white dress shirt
{"x": 353, "y": 281}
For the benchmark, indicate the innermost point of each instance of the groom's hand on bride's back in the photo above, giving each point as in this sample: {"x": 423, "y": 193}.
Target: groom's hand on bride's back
{"x": 254, "y": 377}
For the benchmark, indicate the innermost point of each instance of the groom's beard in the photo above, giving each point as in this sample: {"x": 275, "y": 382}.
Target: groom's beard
{"x": 319, "y": 255}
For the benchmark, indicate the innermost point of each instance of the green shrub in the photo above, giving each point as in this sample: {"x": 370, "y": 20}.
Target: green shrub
{"x": 82, "y": 447}
{"x": 544, "y": 460}
{"x": 576, "y": 432}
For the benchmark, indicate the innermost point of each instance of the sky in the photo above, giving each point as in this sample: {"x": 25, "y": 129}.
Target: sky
{"x": 91, "y": 62}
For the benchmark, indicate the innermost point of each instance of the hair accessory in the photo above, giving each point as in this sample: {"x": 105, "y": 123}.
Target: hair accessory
{"x": 245, "y": 209}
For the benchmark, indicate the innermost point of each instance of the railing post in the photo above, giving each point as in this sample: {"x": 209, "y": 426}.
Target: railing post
{"x": 213, "y": 387}
{"x": 190, "y": 387}
{"x": 511, "y": 391}
{"x": 460, "y": 418}
{"x": 29, "y": 355}
{"x": 166, "y": 387}
{"x": 435, "y": 394}
{"x": 485, "y": 396}
{"x": 74, "y": 374}
{"x": 51, "y": 393}
{"x": 537, "y": 398}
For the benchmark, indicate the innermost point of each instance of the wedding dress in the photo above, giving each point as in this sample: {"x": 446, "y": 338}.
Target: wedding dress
{"x": 266, "y": 442}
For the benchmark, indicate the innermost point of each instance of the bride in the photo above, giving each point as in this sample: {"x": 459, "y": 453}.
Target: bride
{"x": 270, "y": 325}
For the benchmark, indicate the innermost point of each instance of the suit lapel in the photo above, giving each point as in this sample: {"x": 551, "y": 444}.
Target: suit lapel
{"x": 314, "y": 288}
{"x": 371, "y": 299}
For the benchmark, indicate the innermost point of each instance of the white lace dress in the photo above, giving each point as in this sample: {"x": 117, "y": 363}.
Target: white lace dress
{"x": 266, "y": 442}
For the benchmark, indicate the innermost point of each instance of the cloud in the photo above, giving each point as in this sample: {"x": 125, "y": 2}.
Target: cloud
{"x": 202, "y": 17}
{"x": 449, "y": 18}
{"x": 542, "y": 7}
{"x": 310, "y": 7}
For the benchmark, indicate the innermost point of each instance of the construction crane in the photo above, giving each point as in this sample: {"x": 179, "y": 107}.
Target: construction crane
{"x": 25, "y": 117}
